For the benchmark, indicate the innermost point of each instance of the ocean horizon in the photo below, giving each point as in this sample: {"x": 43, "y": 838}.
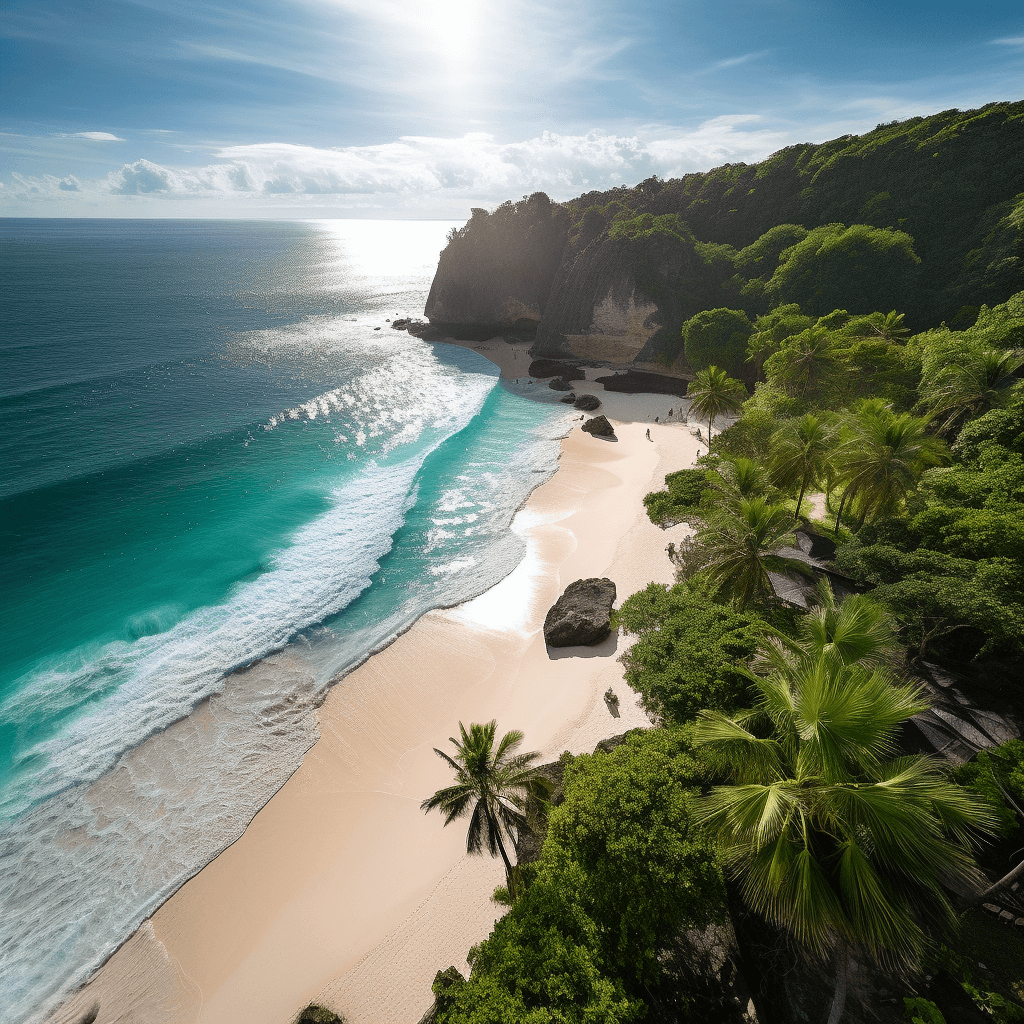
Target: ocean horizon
{"x": 217, "y": 455}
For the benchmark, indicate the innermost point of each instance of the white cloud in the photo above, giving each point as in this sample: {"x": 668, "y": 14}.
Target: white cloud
{"x": 1008, "y": 41}
{"x": 98, "y": 136}
{"x": 416, "y": 173}
{"x": 732, "y": 62}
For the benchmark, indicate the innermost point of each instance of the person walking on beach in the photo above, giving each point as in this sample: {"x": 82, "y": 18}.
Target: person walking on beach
{"x": 648, "y": 433}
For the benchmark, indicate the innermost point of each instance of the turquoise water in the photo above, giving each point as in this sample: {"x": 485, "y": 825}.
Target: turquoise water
{"x": 210, "y": 455}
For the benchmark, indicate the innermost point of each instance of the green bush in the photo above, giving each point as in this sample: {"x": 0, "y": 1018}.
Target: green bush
{"x": 688, "y": 651}
{"x": 680, "y": 498}
{"x": 859, "y": 268}
{"x": 718, "y": 337}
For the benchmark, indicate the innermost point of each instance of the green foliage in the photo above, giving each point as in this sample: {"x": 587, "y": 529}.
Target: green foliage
{"x": 492, "y": 787}
{"x": 760, "y": 258}
{"x": 1003, "y": 427}
{"x": 645, "y": 870}
{"x": 713, "y": 393}
{"x": 735, "y": 551}
{"x": 751, "y": 435}
{"x": 645, "y": 226}
{"x": 316, "y": 1014}
{"x": 803, "y": 454}
{"x": 717, "y": 337}
{"x": 680, "y": 498}
{"x": 688, "y": 651}
{"x": 998, "y": 775}
{"x": 622, "y": 870}
{"x": 962, "y": 377}
{"x": 804, "y": 364}
{"x": 933, "y": 595}
{"x": 858, "y": 268}
{"x": 922, "y": 1011}
{"x": 831, "y": 836}
{"x": 883, "y": 457}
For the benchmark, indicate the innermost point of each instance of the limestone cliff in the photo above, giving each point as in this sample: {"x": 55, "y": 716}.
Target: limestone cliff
{"x": 612, "y": 276}
{"x": 496, "y": 272}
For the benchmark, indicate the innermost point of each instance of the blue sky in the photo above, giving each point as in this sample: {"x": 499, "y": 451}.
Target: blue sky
{"x": 394, "y": 108}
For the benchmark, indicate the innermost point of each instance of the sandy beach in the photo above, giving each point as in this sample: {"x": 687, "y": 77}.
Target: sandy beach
{"x": 341, "y": 891}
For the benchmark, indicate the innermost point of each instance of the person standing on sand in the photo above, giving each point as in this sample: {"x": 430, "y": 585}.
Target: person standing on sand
{"x": 648, "y": 433}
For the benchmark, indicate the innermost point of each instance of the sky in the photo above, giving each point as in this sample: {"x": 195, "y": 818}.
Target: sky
{"x": 426, "y": 108}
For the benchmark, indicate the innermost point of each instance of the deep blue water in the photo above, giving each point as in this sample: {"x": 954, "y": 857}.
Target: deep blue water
{"x": 209, "y": 455}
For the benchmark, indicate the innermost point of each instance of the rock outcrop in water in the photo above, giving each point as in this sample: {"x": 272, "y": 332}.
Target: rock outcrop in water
{"x": 582, "y": 615}
{"x": 612, "y": 276}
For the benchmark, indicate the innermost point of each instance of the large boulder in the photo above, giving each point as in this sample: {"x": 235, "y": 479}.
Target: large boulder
{"x": 568, "y": 399}
{"x": 542, "y": 368}
{"x": 582, "y": 615}
{"x": 599, "y": 427}
{"x": 559, "y": 384}
{"x": 587, "y": 403}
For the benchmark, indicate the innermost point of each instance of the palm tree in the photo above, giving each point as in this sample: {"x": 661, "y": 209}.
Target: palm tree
{"x": 738, "y": 550}
{"x": 808, "y": 357}
{"x": 980, "y": 381}
{"x": 736, "y": 479}
{"x": 831, "y": 835}
{"x": 712, "y": 393}
{"x": 801, "y": 453}
{"x": 492, "y": 787}
{"x": 883, "y": 458}
{"x": 882, "y": 327}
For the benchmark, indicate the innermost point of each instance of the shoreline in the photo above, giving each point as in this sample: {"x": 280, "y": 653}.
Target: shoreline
{"x": 339, "y": 879}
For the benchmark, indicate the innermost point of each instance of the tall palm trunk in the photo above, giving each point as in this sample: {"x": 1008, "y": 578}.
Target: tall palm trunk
{"x": 839, "y": 514}
{"x": 800, "y": 498}
{"x": 501, "y": 849}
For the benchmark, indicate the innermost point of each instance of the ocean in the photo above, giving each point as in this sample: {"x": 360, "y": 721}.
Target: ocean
{"x": 213, "y": 457}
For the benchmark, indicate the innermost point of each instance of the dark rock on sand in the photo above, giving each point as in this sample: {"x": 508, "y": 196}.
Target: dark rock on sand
{"x": 541, "y": 368}
{"x": 582, "y": 615}
{"x": 599, "y": 427}
{"x": 639, "y": 382}
{"x": 568, "y": 399}
{"x": 588, "y": 403}
{"x": 559, "y": 384}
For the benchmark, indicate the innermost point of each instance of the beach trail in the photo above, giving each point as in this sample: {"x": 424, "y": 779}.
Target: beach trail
{"x": 342, "y": 891}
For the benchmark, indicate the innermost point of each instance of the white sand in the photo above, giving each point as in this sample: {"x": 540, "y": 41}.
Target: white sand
{"x": 341, "y": 890}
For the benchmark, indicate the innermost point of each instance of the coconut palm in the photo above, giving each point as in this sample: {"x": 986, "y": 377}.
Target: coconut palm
{"x": 712, "y": 393}
{"x": 739, "y": 549}
{"x": 736, "y": 479}
{"x": 809, "y": 356}
{"x": 492, "y": 787}
{"x": 802, "y": 451}
{"x": 883, "y": 458}
{"x": 979, "y": 381}
{"x": 882, "y": 327}
{"x": 830, "y": 834}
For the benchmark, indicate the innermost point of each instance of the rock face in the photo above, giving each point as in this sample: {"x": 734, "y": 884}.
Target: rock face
{"x": 587, "y": 403}
{"x": 494, "y": 277}
{"x": 599, "y": 427}
{"x": 582, "y": 615}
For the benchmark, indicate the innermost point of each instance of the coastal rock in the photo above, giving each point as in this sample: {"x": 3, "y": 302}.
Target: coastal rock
{"x": 599, "y": 427}
{"x": 541, "y": 368}
{"x": 568, "y": 399}
{"x": 559, "y": 384}
{"x": 587, "y": 403}
{"x": 582, "y": 615}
